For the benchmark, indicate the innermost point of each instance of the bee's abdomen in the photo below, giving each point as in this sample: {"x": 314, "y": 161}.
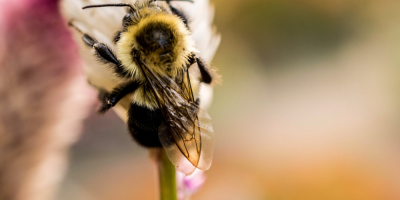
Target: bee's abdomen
{"x": 143, "y": 124}
{"x": 144, "y": 97}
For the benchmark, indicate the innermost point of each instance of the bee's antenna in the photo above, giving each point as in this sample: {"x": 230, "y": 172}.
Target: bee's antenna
{"x": 111, "y": 5}
{"x": 71, "y": 24}
{"x": 191, "y": 1}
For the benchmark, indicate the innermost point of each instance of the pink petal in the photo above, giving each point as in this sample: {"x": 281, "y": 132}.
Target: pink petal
{"x": 43, "y": 98}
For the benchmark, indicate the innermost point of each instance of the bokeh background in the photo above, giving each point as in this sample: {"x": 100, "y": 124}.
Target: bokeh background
{"x": 309, "y": 109}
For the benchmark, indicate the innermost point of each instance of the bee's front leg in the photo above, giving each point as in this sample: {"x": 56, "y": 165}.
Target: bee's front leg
{"x": 102, "y": 51}
{"x": 109, "y": 100}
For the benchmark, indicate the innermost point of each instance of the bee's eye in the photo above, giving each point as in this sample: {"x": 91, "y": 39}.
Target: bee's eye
{"x": 127, "y": 20}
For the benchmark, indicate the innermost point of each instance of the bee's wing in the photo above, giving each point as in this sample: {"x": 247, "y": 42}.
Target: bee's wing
{"x": 188, "y": 143}
{"x": 186, "y": 133}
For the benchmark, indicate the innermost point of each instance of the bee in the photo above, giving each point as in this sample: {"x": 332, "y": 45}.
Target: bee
{"x": 154, "y": 51}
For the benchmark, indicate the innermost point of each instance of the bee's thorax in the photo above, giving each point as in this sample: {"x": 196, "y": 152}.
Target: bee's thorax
{"x": 162, "y": 41}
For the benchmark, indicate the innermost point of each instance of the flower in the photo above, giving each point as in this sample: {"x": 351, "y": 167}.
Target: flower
{"x": 103, "y": 24}
{"x": 188, "y": 185}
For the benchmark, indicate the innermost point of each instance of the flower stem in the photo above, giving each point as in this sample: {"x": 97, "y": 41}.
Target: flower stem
{"x": 167, "y": 177}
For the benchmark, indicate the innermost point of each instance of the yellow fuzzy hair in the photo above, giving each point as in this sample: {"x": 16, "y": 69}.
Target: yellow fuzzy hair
{"x": 183, "y": 48}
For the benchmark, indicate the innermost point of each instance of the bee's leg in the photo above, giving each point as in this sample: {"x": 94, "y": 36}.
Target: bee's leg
{"x": 109, "y": 100}
{"x": 117, "y": 37}
{"x": 102, "y": 51}
{"x": 197, "y": 101}
{"x": 204, "y": 71}
{"x": 178, "y": 13}
{"x": 102, "y": 94}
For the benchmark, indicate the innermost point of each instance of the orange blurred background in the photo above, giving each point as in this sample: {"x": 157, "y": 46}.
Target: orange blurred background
{"x": 309, "y": 109}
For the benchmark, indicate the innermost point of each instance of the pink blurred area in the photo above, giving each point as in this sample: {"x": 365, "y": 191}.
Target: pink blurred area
{"x": 44, "y": 98}
{"x": 309, "y": 109}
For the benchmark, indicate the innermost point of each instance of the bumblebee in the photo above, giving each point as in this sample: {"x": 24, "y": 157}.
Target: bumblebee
{"x": 154, "y": 51}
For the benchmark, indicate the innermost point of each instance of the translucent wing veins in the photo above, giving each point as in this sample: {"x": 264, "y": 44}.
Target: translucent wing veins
{"x": 182, "y": 125}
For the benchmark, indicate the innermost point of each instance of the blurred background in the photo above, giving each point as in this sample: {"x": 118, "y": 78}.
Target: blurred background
{"x": 309, "y": 109}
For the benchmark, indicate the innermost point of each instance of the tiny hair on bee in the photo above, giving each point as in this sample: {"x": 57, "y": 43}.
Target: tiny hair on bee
{"x": 154, "y": 52}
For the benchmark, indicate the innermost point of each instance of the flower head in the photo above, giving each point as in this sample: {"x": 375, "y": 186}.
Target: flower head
{"x": 44, "y": 98}
{"x": 188, "y": 185}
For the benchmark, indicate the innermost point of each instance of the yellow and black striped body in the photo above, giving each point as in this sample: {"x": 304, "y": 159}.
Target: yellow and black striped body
{"x": 164, "y": 44}
{"x": 154, "y": 51}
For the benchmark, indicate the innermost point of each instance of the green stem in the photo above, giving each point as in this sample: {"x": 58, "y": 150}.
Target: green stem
{"x": 167, "y": 175}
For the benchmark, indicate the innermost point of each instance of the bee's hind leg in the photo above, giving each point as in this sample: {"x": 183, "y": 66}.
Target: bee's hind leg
{"x": 109, "y": 100}
{"x": 204, "y": 71}
{"x": 102, "y": 51}
{"x": 206, "y": 76}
